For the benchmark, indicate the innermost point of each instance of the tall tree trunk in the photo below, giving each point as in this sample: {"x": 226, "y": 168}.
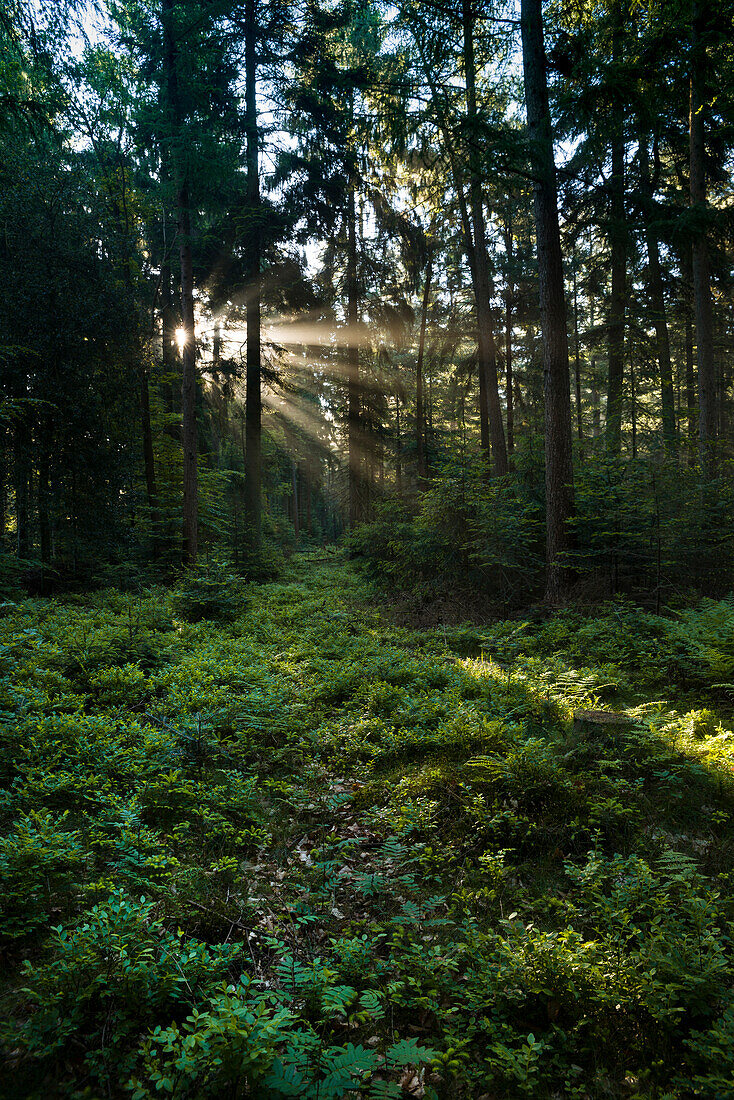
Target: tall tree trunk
{"x": 595, "y": 395}
{"x": 633, "y": 410}
{"x": 577, "y": 356}
{"x": 353, "y": 411}
{"x": 707, "y": 411}
{"x": 618, "y": 245}
{"x": 253, "y": 399}
{"x": 294, "y": 489}
{"x": 398, "y": 449}
{"x": 508, "y": 343}
{"x": 558, "y": 449}
{"x": 483, "y": 290}
{"x": 686, "y": 303}
{"x": 217, "y": 418}
{"x": 595, "y": 401}
{"x": 657, "y": 298}
{"x": 188, "y": 353}
{"x": 188, "y": 386}
{"x": 420, "y": 426}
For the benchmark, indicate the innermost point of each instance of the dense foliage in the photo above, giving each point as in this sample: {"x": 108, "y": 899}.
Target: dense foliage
{"x": 298, "y": 850}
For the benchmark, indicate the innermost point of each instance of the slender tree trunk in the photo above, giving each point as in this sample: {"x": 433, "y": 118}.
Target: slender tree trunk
{"x": 217, "y": 419}
{"x": 618, "y": 243}
{"x": 686, "y": 304}
{"x": 558, "y": 449}
{"x": 188, "y": 354}
{"x": 595, "y": 395}
{"x": 691, "y": 387}
{"x": 353, "y": 411}
{"x": 707, "y": 411}
{"x": 577, "y": 357}
{"x": 487, "y": 345}
{"x": 294, "y": 485}
{"x": 595, "y": 401}
{"x": 429, "y": 421}
{"x": 657, "y": 299}
{"x": 633, "y": 410}
{"x": 188, "y": 386}
{"x": 398, "y": 448}
{"x": 253, "y": 399}
{"x": 420, "y": 427}
{"x": 508, "y": 344}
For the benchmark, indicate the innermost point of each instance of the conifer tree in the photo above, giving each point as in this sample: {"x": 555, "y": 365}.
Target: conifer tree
{"x": 558, "y": 447}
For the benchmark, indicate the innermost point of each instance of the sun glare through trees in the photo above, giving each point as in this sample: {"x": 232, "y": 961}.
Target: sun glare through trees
{"x": 367, "y": 549}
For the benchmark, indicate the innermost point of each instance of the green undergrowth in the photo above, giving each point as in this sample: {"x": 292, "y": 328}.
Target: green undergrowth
{"x": 264, "y": 842}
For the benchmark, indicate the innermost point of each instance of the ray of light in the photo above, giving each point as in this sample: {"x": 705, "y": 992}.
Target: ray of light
{"x": 305, "y": 418}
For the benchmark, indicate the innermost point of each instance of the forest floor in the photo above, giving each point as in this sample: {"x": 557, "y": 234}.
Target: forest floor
{"x": 301, "y": 850}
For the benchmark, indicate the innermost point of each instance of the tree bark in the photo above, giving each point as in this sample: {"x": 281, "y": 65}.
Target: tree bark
{"x": 633, "y": 410}
{"x": 577, "y": 357}
{"x": 294, "y": 489}
{"x": 707, "y": 410}
{"x": 595, "y": 402}
{"x": 558, "y": 449}
{"x": 253, "y": 398}
{"x": 353, "y": 410}
{"x": 657, "y": 299}
{"x": 618, "y": 246}
{"x": 217, "y": 396}
{"x": 188, "y": 385}
{"x": 686, "y": 301}
{"x": 188, "y": 354}
{"x": 487, "y": 346}
{"x": 420, "y": 427}
{"x": 398, "y": 449}
{"x": 508, "y": 345}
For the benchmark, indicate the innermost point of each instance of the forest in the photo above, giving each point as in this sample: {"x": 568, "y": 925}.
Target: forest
{"x": 367, "y": 549}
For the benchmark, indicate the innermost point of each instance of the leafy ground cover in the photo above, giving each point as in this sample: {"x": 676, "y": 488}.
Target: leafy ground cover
{"x": 295, "y": 849}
